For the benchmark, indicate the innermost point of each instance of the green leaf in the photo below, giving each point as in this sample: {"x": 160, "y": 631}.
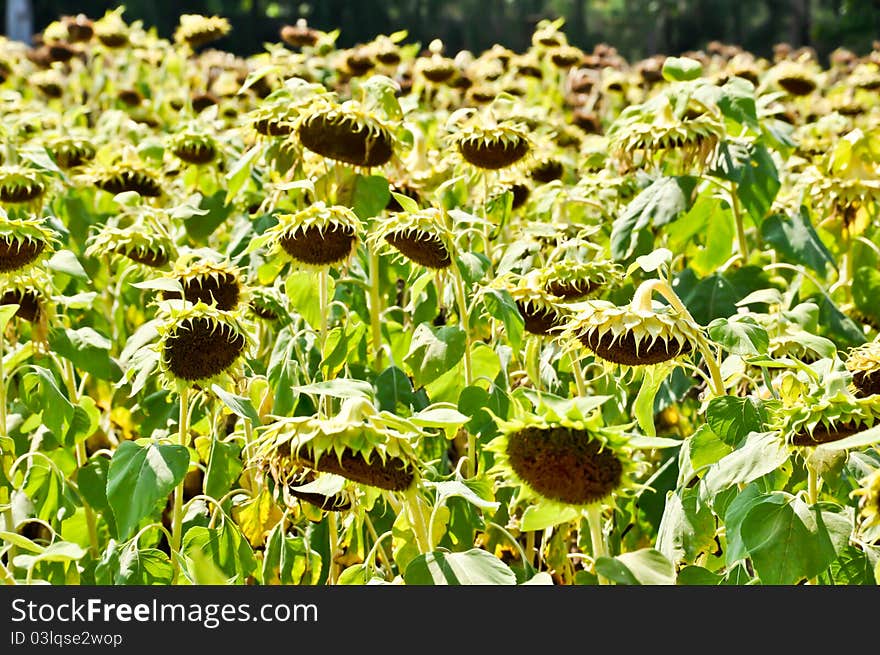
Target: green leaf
{"x": 706, "y": 448}
{"x": 338, "y": 388}
{"x": 784, "y": 540}
{"x": 866, "y": 290}
{"x": 56, "y": 408}
{"x": 434, "y": 351}
{"x": 289, "y": 560}
{"x": 641, "y": 567}
{"x": 864, "y": 438}
{"x": 681, "y": 69}
{"x": 60, "y": 551}
{"x": 214, "y": 212}
{"x": 740, "y": 335}
{"x": 542, "y": 516}
{"x": 471, "y": 567}
{"x": 733, "y": 417}
{"x": 224, "y": 467}
{"x": 737, "y": 102}
{"x": 240, "y": 172}
{"x": 751, "y": 167}
{"x": 87, "y": 349}
{"x": 303, "y": 292}
{"x": 6, "y": 314}
{"x": 371, "y": 195}
{"x": 64, "y": 261}
{"x": 795, "y": 240}
{"x": 455, "y": 488}
{"x": 697, "y": 576}
{"x": 760, "y": 454}
{"x": 660, "y": 203}
{"x": 139, "y": 477}
{"x": 643, "y": 406}
{"x": 687, "y": 527}
{"x": 393, "y": 389}
{"x": 500, "y": 305}
{"x": 852, "y": 567}
{"x": 238, "y": 405}
{"x": 224, "y": 547}
{"x": 130, "y": 565}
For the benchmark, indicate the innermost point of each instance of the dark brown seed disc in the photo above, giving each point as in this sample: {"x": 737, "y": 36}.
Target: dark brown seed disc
{"x": 539, "y": 320}
{"x": 622, "y": 350}
{"x": 337, "y": 503}
{"x": 16, "y": 253}
{"x": 201, "y": 101}
{"x": 196, "y": 153}
{"x": 520, "y": 195}
{"x": 320, "y": 247}
{"x": 388, "y": 57}
{"x": 825, "y": 434}
{"x": 422, "y": 248}
{"x": 565, "y": 465}
{"x": 272, "y": 127}
{"x": 153, "y": 258}
{"x": 569, "y": 289}
{"x": 549, "y": 41}
{"x": 127, "y": 180}
{"x": 201, "y": 348}
{"x": 79, "y": 28}
{"x": 564, "y": 60}
{"x": 547, "y": 171}
{"x": 493, "y": 155}
{"x": 482, "y": 95}
{"x": 51, "y": 90}
{"x": 345, "y": 140}
{"x": 870, "y": 85}
{"x": 359, "y": 64}
{"x": 72, "y": 157}
{"x": 61, "y": 52}
{"x": 866, "y": 382}
{"x": 528, "y": 70}
{"x": 18, "y": 193}
{"x": 130, "y": 97}
{"x": 201, "y": 37}
{"x": 28, "y": 304}
{"x": 114, "y": 39}
{"x": 797, "y": 86}
{"x": 439, "y": 74}
{"x": 392, "y": 475}
{"x": 749, "y": 75}
{"x": 222, "y": 289}
{"x": 264, "y": 312}
{"x": 299, "y": 36}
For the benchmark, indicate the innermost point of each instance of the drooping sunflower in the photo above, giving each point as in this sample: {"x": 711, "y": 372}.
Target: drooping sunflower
{"x": 71, "y": 151}
{"x": 573, "y": 279}
{"x": 563, "y": 459}
{"x": 24, "y": 242}
{"x": 490, "y": 145}
{"x": 111, "y": 30}
{"x": 317, "y": 236}
{"x": 542, "y": 313}
{"x": 631, "y": 335}
{"x": 22, "y": 186}
{"x": 347, "y": 133}
{"x": 421, "y": 236}
{"x": 216, "y": 283}
{"x": 196, "y": 30}
{"x": 125, "y": 175}
{"x": 139, "y": 242}
{"x": 358, "y": 443}
{"x": 794, "y": 77}
{"x": 194, "y": 146}
{"x": 864, "y": 364}
{"x": 32, "y": 291}
{"x": 267, "y": 303}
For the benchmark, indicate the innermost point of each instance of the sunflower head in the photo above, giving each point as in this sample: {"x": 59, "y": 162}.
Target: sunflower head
{"x": 825, "y": 415}
{"x": 111, "y": 30}
{"x": 630, "y": 335}
{"x": 794, "y": 77}
{"x": 436, "y": 68}
{"x": 358, "y": 443}
{"x": 420, "y": 236}
{"x": 199, "y": 345}
{"x": 863, "y": 363}
{"x": 319, "y": 235}
{"x": 573, "y": 279}
{"x": 128, "y": 174}
{"x": 194, "y": 146}
{"x": 347, "y": 133}
{"x": 138, "y": 236}
{"x": 542, "y": 313}
{"x": 22, "y": 186}
{"x": 563, "y": 458}
{"x": 196, "y": 30}
{"x": 218, "y": 284}
{"x": 267, "y": 304}
{"x": 648, "y": 133}
{"x": 32, "y": 292}
{"x": 300, "y": 35}
{"x": 71, "y": 151}
{"x": 24, "y": 243}
{"x": 868, "y": 494}
{"x": 489, "y": 145}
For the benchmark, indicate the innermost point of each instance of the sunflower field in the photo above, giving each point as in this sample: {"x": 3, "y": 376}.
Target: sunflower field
{"x": 391, "y": 314}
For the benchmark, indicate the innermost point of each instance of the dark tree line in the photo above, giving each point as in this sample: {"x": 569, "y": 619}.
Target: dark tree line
{"x": 636, "y": 27}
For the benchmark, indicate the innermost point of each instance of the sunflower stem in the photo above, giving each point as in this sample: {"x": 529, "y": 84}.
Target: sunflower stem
{"x": 578, "y": 373}
{"x": 333, "y": 533}
{"x": 5, "y": 499}
{"x": 464, "y": 322}
{"x": 642, "y": 301}
{"x": 323, "y": 287}
{"x": 597, "y": 537}
{"x": 177, "y": 514}
{"x": 417, "y": 521}
{"x": 530, "y": 547}
{"x": 379, "y": 547}
{"x": 375, "y": 310}
{"x": 742, "y": 243}
{"x": 812, "y": 484}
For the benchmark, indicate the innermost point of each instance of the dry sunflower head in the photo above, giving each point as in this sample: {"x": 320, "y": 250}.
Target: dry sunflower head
{"x": 317, "y": 236}
{"x": 24, "y": 243}
{"x": 543, "y": 314}
{"x": 358, "y": 443}
{"x": 863, "y": 363}
{"x": 215, "y": 283}
{"x": 487, "y": 144}
{"x": 346, "y": 132}
{"x": 572, "y": 279}
{"x": 196, "y": 30}
{"x": 421, "y": 236}
{"x": 23, "y": 186}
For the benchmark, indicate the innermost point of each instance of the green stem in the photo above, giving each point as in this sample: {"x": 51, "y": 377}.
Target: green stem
{"x": 464, "y": 322}
{"x": 530, "y": 546}
{"x": 375, "y": 310}
{"x": 812, "y": 485}
{"x": 177, "y": 515}
{"x": 594, "y": 518}
{"x": 417, "y": 521}
{"x": 5, "y": 458}
{"x": 742, "y": 243}
{"x": 333, "y": 533}
{"x": 380, "y": 547}
{"x": 324, "y": 286}
{"x": 578, "y": 374}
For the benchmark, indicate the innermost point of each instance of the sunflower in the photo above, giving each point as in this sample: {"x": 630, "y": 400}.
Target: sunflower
{"x": 317, "y": 236}
{"x": 795, "y": 78}
{"x": 490, "y": 145}
{"x": 70, "y": 151}
{"x": 127, "y": 175}
{"x": 22, "y": 186}
{"x": 358, "y": 443}
{"x": 217, "y": 284}
{"x": 196, "y": 30}
{"x": 300, "y": 35}
{"x": 32, "y": 292}
{"x": 193, "y": 146}
{"x": 266, "y": 303}
{"x": 141, "y": 243}
{"x": 632, "y": 335}
{"x": 325, "y": 491}
{"x": 542, "y": 312}
{"x": 347, "y": 133}
{"x": 864, "y": 364}
{"x": 562, "y": 459}
{"x": 421, "y": 236}
{"x": 111, "y": 30}
{"x": 571, "y": 279}
{"x": 198, "y": 345}
{"x": 24, "y": 242}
